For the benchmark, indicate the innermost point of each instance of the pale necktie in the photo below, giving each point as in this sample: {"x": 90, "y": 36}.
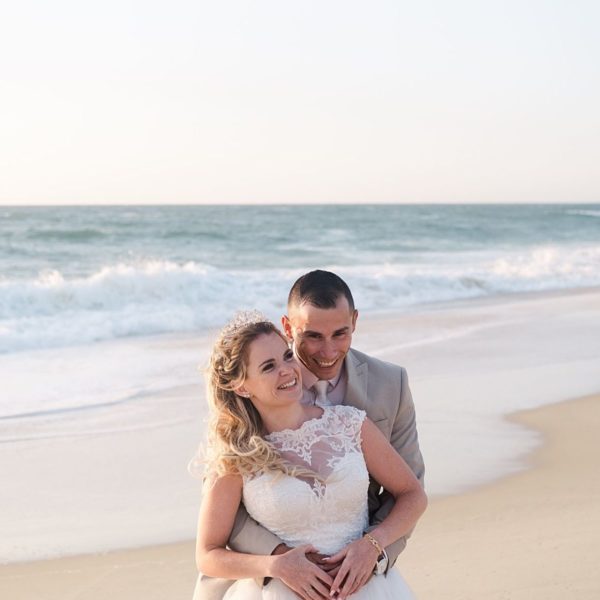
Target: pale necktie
{"x": 321, "y": 390}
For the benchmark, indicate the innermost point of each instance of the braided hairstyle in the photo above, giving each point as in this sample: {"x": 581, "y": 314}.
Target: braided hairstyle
{"x": 236, "y": 443}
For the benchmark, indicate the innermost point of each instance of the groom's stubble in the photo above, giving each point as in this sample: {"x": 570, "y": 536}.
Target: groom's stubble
{"x": 321, "y": 336}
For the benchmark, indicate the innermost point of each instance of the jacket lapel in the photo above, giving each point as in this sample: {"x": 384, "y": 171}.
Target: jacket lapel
{"x": 356, "y": 388}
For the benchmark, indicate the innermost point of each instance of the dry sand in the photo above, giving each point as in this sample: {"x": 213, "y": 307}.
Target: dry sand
{"x": 532, "y": 535}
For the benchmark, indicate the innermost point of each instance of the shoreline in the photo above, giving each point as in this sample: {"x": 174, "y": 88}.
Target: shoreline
{"x": 121, "y": 467}
{"x": 372, "y": 321}
{"x": 528, "y": 535}
{"x": 531, "y": 535}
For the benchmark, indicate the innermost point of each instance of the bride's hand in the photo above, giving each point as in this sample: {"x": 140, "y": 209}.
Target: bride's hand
{"x": 322, "y": 560}
{"x": 359, "y": 559}
{"x": 308, "y": 580}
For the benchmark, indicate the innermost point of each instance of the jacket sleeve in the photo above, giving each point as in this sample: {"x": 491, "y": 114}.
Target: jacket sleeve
{"x": 246, "y": 536}
{"x": 405, "y": 440}
{"x": 250, "y": 537}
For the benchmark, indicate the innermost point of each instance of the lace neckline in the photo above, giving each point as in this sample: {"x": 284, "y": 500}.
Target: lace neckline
{"x": 275, "y": 436}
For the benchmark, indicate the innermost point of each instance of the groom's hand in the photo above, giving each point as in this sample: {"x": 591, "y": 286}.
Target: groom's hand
{"x": 322, "y": 561}
{"x": 301, "y": 575}
{"x": 315, "y": 557}
{"x": 359, "y": 558}
{"x": 281, "y": 549}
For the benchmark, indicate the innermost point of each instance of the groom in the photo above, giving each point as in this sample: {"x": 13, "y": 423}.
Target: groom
{"x": 320, "y": 322}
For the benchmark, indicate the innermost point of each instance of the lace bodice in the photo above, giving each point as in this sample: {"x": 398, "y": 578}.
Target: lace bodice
{"x": 328, "y": 512}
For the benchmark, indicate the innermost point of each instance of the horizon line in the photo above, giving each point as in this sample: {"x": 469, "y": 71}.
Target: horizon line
{"x": 240, "y": 204}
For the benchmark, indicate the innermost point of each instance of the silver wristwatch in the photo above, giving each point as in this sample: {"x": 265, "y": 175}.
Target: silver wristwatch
{"x": 382, "y": 564}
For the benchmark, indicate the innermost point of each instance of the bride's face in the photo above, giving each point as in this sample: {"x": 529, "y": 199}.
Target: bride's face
{"x": 272, "y": 372}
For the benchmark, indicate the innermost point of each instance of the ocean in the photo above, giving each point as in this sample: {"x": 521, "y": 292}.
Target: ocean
{"x": 108, "y": 313}
{"x": 73, "y": 276}
{"x": 87, "y": 287}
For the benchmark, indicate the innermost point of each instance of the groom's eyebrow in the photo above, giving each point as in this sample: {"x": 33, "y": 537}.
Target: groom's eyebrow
{"x": 311, "y": 332}
{"x": 319, "y": 334}
{"x": 342, "y": 330}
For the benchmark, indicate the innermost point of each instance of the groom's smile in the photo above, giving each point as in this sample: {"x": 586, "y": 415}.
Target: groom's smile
{"x": 322, "y": 336}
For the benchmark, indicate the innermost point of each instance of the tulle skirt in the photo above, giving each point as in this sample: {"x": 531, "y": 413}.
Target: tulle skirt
{"x": 380, "y": 587}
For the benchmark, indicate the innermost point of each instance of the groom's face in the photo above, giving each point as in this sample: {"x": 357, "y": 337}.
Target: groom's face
{"x": 321, "y": 336}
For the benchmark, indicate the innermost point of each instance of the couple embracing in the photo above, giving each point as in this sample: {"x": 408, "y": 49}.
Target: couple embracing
{"x": 314, "y": 474}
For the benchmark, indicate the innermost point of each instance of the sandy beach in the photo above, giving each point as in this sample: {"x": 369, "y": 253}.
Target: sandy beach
{"x": 511, "y": 464}
{"x": 532, "y": 535}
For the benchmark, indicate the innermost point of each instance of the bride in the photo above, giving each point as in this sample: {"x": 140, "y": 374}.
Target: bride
{"x": 301, "y": 471}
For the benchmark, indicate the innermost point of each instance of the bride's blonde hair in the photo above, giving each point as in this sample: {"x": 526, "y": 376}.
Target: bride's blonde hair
{"x": 235, "y": 441}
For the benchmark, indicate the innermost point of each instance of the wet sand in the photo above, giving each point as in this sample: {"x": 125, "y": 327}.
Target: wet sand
{"x": 531, "y": 535}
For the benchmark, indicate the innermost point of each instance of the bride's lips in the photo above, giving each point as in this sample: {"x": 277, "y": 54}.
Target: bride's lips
{"x": 288, "y": 385}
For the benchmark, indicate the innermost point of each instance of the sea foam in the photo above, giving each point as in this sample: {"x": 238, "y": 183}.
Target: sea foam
{"x": 159, "y": 296}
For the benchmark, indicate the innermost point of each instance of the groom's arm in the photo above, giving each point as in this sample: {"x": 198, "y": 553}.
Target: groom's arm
{"x": 243, "y": 532}
{"x": 246, "y": 536}
{"x": 405, "y": 440}
{"x": 250, "y": 537}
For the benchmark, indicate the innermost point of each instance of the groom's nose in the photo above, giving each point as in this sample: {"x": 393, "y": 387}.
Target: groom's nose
{"x": 329, "y": 349}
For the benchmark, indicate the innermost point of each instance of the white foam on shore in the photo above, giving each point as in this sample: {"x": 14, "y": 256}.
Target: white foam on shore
{"x": 113, "y": 475}
{"x": 151, "y": 297}
{"x": 494, "y": 360}
{"x": 49, "y": 384}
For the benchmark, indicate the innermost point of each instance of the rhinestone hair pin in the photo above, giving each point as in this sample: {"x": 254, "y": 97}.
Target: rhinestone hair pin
{"x": 242, "y": 319}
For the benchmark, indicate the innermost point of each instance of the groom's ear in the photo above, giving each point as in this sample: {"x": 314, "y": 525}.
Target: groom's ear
{"x": 287, "y": 327}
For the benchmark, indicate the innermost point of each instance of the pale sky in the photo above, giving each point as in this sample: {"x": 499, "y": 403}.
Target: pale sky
{"x": 281, "y": 102}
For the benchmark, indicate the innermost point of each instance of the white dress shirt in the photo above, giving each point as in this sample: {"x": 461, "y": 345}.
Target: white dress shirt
{"x": 336, "y": 391}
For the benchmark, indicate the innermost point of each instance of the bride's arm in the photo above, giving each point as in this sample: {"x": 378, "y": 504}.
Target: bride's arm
{"x": 405, "y": 440}
{"x": 220, "y": 503}
{"x": 387, "y": 467}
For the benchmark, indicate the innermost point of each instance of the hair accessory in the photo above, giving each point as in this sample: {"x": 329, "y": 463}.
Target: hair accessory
{"x": 241, "y": 320}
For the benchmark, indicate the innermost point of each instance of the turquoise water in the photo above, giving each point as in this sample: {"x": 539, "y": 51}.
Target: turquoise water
{"x": 104, "y": 318}
{"x": 73, "y": 275}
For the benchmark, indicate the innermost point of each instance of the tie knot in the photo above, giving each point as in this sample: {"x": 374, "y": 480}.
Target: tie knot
{"x": 321, "y": 388}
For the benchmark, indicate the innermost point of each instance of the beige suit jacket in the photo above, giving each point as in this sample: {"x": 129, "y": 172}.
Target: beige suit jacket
{"x": 380, "y": 389}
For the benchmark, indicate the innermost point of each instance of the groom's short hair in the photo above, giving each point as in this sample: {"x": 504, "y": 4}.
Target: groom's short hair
{"x": 321, "y": 289}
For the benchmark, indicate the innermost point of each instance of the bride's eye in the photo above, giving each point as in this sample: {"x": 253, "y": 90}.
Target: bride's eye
{"x": 288, "y": 355}
{"x": 266, "y": 368}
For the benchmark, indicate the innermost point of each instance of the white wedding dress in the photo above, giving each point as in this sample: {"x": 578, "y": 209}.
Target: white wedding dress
{"x": 328, "y": 514}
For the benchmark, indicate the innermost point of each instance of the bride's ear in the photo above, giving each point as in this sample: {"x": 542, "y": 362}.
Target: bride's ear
{"x": 242, "y": 391}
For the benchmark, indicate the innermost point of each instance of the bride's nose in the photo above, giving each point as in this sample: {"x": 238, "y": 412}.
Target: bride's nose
{"x": 285, "y": 369}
